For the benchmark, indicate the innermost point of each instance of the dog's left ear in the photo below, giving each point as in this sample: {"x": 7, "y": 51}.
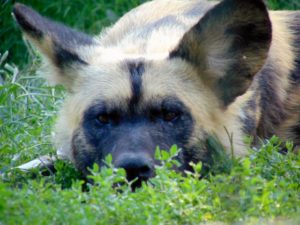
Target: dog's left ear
{"x": 63, "y": 46}
{"x": 228, "y": 46}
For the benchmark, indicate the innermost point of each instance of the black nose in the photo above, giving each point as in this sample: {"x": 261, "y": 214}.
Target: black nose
{"x": 136, "y": 166}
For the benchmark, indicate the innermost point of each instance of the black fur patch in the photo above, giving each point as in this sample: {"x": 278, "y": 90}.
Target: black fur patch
{"x": 249, "y": 35}
{"x": 249, "y": 127}
{"x": 136, "y": 70}
{"x": 196, "y": 154}
{"x": 296, "y": 130}
{"x": 235, "y": 82}
{"x": 271, "y": 105}
{"x": 249, "y": 122}
{"x": 64, "y": 57}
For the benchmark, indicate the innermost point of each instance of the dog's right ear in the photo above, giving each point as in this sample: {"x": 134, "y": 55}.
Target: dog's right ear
{"x": 231, "y": 43}
{"x": 63, "y": 46}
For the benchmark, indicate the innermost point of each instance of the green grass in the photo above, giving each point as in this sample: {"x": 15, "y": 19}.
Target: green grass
{"x": 284, "y": 4}
{"x": 261, "y": 188}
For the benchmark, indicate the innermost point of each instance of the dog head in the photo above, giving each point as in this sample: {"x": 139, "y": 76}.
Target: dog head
{"x": 127, "y": 98}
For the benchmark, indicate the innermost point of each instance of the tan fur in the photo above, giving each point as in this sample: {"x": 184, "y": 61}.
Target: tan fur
{"x": 282, "y": 39}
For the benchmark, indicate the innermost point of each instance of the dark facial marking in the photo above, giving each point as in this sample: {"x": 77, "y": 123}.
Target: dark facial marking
{"x": 136, "y": 133}
{"x": 136, "y": 70}
{"x": 83, "y": 153}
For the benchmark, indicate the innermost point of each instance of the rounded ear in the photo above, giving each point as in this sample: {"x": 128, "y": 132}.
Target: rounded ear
{"x": 228, "y": 46}
{"x": 60, "y": 44}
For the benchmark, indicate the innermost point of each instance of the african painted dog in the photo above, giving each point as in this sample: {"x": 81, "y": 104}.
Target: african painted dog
{"x": 172, "y": 72}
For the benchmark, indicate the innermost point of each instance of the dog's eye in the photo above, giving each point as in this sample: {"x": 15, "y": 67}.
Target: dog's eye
{"x": 104, "y": 118}
{"x": 169, "y": 116}
{"x": 165, "y": 115}
{"x": 109, "y": 118}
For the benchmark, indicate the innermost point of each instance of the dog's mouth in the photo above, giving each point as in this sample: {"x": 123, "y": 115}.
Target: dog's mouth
{"x": 136, "y": 180}
{"x": 134, "y": 184}
{"x": 137, "y": 183}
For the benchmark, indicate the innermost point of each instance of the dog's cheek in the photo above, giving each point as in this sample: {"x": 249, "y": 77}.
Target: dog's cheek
{"x": 84, "y": 155}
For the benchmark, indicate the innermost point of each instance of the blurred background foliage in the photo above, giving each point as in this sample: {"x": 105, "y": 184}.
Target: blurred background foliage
{"x": 284, "y": 4}
{"x": 88, "y": 15}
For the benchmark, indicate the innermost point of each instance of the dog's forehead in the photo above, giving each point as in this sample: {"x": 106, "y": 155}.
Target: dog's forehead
{"x": 123, "y": 79}
{"x": 115, "y": 75}
{"x": 115, "y": 55}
